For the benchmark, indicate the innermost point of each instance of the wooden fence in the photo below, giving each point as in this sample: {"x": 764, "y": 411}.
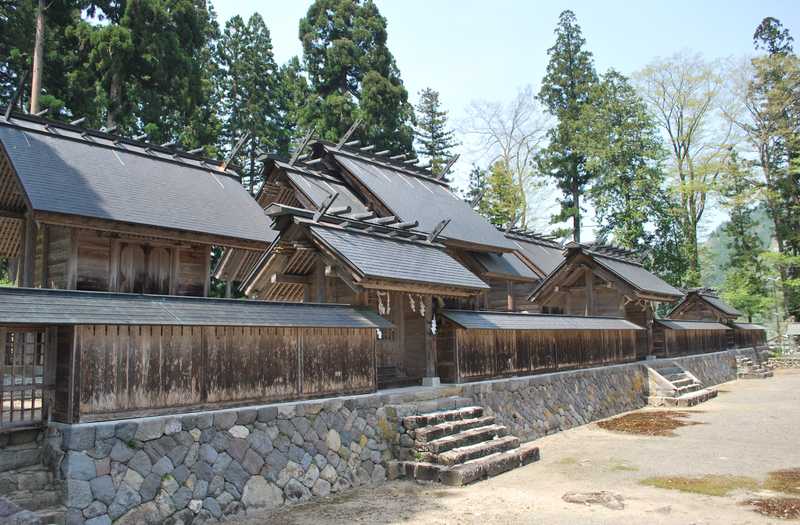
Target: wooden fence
{"x": 112, "y": 371}
{"x": 25, "y": 385}
{"x": 679, "y": 338}
{"x": 478, "y": 354}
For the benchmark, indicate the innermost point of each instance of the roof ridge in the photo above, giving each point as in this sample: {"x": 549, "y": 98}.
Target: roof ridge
{"x": 145, "y": 149}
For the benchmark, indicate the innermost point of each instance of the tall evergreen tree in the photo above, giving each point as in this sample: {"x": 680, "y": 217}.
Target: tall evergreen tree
{"x": 248, "y": 85}
{"x": 435, "y": 140}
{"x": 745, "y": 285}
{"x": 566, "y": 89}
{"x": 620, "y": 143}
{"x": 501, "y": 203}
{"x": 352, "y": 74}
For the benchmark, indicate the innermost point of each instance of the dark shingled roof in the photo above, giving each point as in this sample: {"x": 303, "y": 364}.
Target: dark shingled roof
{"x": 318, "y": 187}
{"x": 504, "y": 264}
{"x": 720, "y": 305}
{"x": 749, "y": 326}
{"x": 517, "y": 321}
{"x": 385, "y": 258}
{"x": 29, "y": 306}
{"x": 545, "y": 256}
{"x": 420, "y": 198}
{"x": 637, "y": 276}
{"x": 691, "y": 325}
{"x": 63, "y": 172}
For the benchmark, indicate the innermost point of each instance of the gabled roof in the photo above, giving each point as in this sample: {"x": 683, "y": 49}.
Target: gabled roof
{"x": 542, "y": 253}
{"x": 67, "y": 171}
{"x": 644, "y": 283}
{"x": 710, "y": 297}
{"x": 518, "y": 321}
{"x": 316, "y": 186}
{"x": 29, "y": 306}
{"x": 381, "y": 257}
{"x": 504, "y": 265}
{"x": 691, "y": 325}
{"x": 414, "y": 196}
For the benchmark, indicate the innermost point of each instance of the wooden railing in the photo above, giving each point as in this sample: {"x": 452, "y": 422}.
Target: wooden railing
{"x": 26, "y": 377}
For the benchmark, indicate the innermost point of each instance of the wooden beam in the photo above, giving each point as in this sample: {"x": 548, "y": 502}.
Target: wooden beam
{"x": 510, "y": 295}
{"x": 589, "y": 291}
{"x": 320, "y": 281}
{"x": 28, "y": 251}
{"x": 11, "y": 214}
{"x": 430, "y": 339}
{"x": 45, "y": 269}
{"x": 285, "y": 278}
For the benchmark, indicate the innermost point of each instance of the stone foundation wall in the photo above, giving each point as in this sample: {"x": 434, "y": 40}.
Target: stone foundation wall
{"x": 713, "y": 369}
{"x": 204, "y": 466}
{"x": 785, "y": 361}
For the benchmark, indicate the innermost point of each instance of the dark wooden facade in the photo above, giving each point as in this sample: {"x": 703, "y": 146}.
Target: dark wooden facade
{"x": 677, "y": 338}
{"x": 469, "y": 354}
{"x": 747, "y": 335}
{"x": 142, "y": 370}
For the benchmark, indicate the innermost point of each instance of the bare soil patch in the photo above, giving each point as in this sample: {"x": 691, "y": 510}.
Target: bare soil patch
{"x": 787, "y": 481}
{"x": 652, "y": 423}
{"x": 783, "y": 508}
{"x": 710, "y": 485}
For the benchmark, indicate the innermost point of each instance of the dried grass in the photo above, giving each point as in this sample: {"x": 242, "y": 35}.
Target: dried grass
{"x": 783, "y": 508}
{"x": 710, "y": 485}
{"x": 651, "y": 423}
{"x": 787, "y": 481}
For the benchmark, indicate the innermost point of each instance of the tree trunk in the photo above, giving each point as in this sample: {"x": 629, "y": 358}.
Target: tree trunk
{"x": 576, "y": 217}
{"x": 38, "y": 51}
{"x": 114, "y": 95}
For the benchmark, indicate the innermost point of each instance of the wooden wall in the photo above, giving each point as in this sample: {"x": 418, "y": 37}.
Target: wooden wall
{"x": 83, "y": 259}
{"x": 749, "y": 338}
{"x": 119, "y": 371}
{"x": 697, "y": 310}
{"x": 486, "y": 354}
{"x": 687, "y": 342}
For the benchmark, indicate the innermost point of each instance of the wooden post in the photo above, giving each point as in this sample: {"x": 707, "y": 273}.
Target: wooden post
{"x": 38, "y": 52}
{"x": 589, "y": 292}
{"x": 72, "y": 262}
{"x": 45, "y": 275}
{"x": 510, "y": 295}
{"x": 320, "y": 283}
{"x": 430, "y": 379}
{"x": 28, "y": 251}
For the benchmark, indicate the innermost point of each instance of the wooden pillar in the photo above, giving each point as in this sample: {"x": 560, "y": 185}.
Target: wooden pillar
{"x": 320, "y": 283}
{"x": 510, "y": 295}
{"x": 649, "y": 324}
{"x": 430, "y": 379}
{"x": 45, "y": 270}
{"x": 589, "y": 291}
{"x": 28, "y": 257}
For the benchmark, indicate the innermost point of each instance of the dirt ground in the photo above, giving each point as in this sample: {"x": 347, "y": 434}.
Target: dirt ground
{"x": 752, "y": 428}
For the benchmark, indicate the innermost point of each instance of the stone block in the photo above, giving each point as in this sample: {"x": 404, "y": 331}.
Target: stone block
{"x": 258, "y": 493}
{"x": 267, "y": 414}
{"x": 78, "y": 465}
{"x": 246, "y": 416}
{"x": 103, "y": 489}
{"x": 99, "y": 520}
{"x": 150, "y": 429}
{"x": 149, "y": 487}
{"x": 212, "y": 506}
{"x": 78, "y": 437}
{"x": 77, "y": 493}
{"x": 94, "y": 510}
{"x": 295, "y": 491}
{"x": 224, "y": 420}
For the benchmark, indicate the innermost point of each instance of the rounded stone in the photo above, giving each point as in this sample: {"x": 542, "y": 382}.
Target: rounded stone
{"x": 333, "y": 440}
{"x": 261, "y": 494}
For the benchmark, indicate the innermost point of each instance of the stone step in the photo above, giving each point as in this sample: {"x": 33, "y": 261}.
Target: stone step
{"x": 686, "y": 381}
{"x": 755, "y": 374}
{"x": 687, "y": 400}
{"x": 677, "y": 377}
{"x": 490, "y": 466}
{"x": 431, "y": 432}
{"x": 35, "y": 500}
{"x": 463, "y": 454}
{"x": 694, "y": 387}
{"x": 462, "y": 439}
{"x": 666, "y": 370}
{"x": 52, "y": 515}
{"x": 436, "y": 418}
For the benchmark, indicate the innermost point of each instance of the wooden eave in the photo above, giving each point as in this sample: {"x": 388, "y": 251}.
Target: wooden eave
{"x": 75, "y": 221}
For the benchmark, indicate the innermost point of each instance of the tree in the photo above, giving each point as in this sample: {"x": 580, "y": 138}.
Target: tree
{"x": 566, "y": 89}
{"x": 435, "y": 140}
{"x": 684, "y": 93}
{"x": 620, "y": 142}
{"x": 352, "y": 74}
{"x": 248, "y": 86}
{"x": 745, "y": 285}
{"x": 769, "y": 97}
{"x": 512, "y": 134}
{"x": 501, "y": 203}
{"x": 148, "y": 64}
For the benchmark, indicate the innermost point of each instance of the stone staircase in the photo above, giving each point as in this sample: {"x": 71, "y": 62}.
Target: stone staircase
{"x": 747, "y": 368}
{"x": 671, "y": 385}
{"x": 29, "y": 495}
{"x": 458, "y": 447}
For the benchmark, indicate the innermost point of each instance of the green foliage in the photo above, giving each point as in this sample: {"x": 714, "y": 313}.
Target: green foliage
{"x": 566, "y": 89}
{"x": 352, "y": 74}
{"x": 247, "y": 83}
{"x": 435, "y": 141}
{"x": 502, "y": 202}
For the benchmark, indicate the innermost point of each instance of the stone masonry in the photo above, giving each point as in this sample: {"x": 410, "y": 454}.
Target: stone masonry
{"x": 204, "y": 467}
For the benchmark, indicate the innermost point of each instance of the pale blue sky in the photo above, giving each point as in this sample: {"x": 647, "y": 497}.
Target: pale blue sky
{"x": 470, "y": 50}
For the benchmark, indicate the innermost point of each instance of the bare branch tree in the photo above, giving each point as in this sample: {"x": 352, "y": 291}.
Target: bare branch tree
{"x": 513, "y": 133}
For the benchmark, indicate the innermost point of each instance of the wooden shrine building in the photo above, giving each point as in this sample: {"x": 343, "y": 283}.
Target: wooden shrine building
{"x": 595, "y": 280}
{"x": 86, "y": 210}
{"x": 705, "y": 304}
